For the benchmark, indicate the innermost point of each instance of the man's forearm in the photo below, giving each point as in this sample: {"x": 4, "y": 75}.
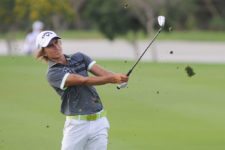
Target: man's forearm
{"x": 74, "y": 79}
{"x": 99, "y": 71}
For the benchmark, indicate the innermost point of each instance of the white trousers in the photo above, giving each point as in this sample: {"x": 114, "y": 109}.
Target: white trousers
{"x": 85, "y": 135}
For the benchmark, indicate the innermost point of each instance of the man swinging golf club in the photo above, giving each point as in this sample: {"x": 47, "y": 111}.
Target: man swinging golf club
{"x": 86, "y": 126}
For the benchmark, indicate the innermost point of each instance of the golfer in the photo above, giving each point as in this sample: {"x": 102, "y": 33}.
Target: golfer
{"x": 29, "y": 43}
{"x": 86, "y": 126}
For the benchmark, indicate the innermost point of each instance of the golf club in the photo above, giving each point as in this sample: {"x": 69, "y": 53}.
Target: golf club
{"x": 161, "y": 22}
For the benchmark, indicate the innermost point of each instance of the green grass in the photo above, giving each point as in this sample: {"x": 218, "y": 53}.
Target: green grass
{"x": 174, "y": 35}
{"x": 162, "y": 109}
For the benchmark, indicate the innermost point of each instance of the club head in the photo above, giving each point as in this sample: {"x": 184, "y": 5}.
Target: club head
{"x": 161, "y": 20}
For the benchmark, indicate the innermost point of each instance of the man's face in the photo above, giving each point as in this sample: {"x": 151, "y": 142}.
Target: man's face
{"x": 54, "y": 49}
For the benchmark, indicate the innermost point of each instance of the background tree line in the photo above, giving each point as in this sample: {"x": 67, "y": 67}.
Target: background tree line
{"x": 111, "y": 15}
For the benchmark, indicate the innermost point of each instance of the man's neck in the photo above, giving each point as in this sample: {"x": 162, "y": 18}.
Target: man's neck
{"x": 60, "y": 60}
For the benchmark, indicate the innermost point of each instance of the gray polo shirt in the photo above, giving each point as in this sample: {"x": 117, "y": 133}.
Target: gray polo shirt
{"x": 78, "y": 99}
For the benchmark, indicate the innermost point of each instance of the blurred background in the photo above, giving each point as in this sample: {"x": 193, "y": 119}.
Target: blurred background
{"x": 175, "y": 96}
{"x": 120, "y": 26}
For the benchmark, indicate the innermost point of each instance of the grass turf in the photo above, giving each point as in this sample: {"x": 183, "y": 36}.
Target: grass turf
{"x": 190, "y": 35}
{"x": 161, "y": 109}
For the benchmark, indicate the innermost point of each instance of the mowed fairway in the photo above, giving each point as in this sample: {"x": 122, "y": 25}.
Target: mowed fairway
{"x": 162, "y": 109}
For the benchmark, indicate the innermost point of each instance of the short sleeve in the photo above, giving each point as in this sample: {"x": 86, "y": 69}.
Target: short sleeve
{"x": 57, "y": 77}
{"x": 88, "y": 61}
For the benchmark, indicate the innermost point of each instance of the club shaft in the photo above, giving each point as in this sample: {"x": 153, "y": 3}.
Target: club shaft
{"x": 130, "y": 71}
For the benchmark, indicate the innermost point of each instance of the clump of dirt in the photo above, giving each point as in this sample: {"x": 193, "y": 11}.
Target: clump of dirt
{"x": 190, "y": 72}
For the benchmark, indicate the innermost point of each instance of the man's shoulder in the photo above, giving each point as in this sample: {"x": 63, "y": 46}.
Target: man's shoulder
{"x": 77, "y": 54}
{"x": 79, "y": 58}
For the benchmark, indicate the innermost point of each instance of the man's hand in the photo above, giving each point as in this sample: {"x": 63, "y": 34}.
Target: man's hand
{"x": 118, "y": 78}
